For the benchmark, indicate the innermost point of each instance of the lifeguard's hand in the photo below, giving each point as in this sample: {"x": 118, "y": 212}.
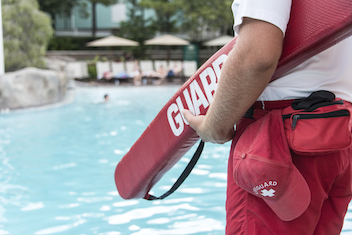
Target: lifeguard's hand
{"x": 207, "y": 133}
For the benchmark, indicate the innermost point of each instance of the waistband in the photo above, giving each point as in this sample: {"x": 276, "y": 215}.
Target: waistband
{"x": 270, "y": 105}
{"x": 260, "y": 108}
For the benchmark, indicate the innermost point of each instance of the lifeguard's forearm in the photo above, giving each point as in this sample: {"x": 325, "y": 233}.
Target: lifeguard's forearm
{"x": 244, "y": 76}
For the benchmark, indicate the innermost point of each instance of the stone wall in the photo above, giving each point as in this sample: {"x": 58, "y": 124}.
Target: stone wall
{"x": 31, "y": 87}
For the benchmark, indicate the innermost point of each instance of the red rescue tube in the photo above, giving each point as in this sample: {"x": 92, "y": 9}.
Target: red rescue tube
{"x": 168, "y": 137}
{"x": 314, "y": 26}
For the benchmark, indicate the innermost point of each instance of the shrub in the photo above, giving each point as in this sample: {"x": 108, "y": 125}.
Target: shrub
{"x": 70, "y": 43}
{"x": 26, "y": 32}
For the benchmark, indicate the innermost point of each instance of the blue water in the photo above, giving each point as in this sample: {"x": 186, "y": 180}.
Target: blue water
{"x": 57, "y": 171}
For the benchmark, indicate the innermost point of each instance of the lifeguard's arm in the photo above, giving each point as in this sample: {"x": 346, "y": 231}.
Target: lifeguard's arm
{"x": 244, "y": 76}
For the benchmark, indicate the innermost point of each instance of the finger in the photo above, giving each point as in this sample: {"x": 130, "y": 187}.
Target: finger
{"x": 193, "y": 121}
{"x": 187, "y": 114}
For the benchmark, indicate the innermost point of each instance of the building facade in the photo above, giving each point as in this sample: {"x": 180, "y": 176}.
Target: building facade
{"x": 108, "y": 18}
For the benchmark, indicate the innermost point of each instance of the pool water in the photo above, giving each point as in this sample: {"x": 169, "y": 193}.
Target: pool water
{"x": 57, "y": 171}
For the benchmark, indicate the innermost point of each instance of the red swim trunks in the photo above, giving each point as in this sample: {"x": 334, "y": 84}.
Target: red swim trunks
{"x": 328, "y": 176}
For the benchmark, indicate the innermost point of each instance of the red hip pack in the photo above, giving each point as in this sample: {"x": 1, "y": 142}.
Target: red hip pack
{"x": 318, "y": 124}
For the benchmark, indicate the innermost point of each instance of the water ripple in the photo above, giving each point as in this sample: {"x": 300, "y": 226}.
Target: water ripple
{"x": 174, "y": 201}
{"x": 126, "y": 203}
{"x": 142, "y": 213}
{"x": 200, "y": 172}
{"x": 222, "y": 176}
{"x": 192, "y": 190}
{"x": 159, "y": 221}
{"x": 94, "y": 199}
{"x": 76, "y": 221}
{"x": 33, "y": 206}
{"x": 188, "y": 227}
{"x": 63, "y": 166}
{"x": 61, "y": 228}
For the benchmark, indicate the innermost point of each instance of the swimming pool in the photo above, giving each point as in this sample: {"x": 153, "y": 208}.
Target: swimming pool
{"x": 57, "y": 171}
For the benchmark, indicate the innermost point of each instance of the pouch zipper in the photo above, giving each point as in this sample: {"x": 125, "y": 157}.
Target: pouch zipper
{"x": 296, "y": 117}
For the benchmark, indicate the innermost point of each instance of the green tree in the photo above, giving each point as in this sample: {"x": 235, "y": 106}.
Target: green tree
{"x": 94, "y": 13}
{"x": 26, "y": 32}
{"x": 165, "y": 11}
{"x": 206, "y": 16}
{"x": 196, "y": 17}
{"x": 136, "y": 27}
{"x": 62, "y": 8}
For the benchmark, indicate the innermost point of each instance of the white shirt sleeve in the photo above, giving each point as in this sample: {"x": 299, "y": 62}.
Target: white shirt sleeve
{"x": 276, "y": 12}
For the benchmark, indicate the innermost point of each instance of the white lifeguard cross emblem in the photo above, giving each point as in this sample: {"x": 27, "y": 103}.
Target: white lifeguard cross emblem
{"x": 268, "y": 193}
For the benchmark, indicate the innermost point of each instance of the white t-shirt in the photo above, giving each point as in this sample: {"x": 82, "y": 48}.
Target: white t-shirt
{"x": 329, "y": 70}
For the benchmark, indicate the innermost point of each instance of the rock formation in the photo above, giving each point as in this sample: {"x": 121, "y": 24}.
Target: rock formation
{"x": 31, "y": 87}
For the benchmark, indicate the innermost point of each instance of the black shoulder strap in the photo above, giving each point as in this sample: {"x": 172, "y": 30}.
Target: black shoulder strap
{"x": 183, "y": 176}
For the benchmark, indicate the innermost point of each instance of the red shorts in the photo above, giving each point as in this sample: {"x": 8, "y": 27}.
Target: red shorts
{"x": 329, "y": 178}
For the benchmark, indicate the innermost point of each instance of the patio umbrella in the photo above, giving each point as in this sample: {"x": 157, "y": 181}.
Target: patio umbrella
{"x": 220, "y": 41}
{"x": 112, "y": 41}
{"x": 167, "y": 40}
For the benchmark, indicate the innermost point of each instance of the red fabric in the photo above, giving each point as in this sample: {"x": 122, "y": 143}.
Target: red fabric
{"x": 329, "y": 178}
{"x": 319, "y": 135}
{"x": 263, "y": 166}
{"x": 313, "y": 27}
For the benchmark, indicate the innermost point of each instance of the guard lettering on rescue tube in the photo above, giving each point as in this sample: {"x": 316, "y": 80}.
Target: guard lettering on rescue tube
{"x": 193, "y": 97}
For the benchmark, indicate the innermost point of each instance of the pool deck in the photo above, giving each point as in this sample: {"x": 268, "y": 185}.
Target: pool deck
{"x": 89, "y": 83}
